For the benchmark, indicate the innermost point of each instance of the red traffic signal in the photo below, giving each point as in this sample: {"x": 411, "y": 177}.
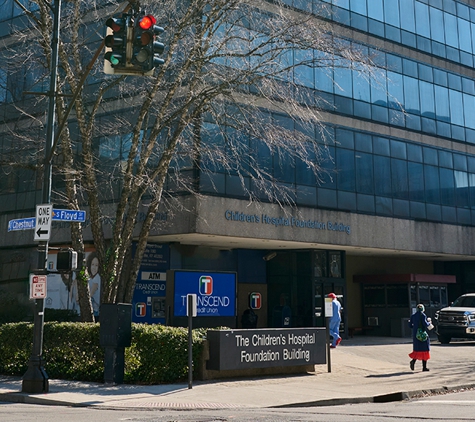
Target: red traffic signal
{"x": 146, "y": 47}
{"x": 146, "y": 22}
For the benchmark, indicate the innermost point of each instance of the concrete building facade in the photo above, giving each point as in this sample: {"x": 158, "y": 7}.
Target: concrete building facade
{"x": 391, "y": 224}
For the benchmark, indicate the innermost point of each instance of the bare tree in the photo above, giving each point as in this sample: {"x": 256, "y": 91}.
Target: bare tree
{"x": 227, "y": 64}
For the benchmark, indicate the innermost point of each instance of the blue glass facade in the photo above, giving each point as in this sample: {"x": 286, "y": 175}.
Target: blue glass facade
{"x": 422, "y": 89}
{"x": 367, "y": 171}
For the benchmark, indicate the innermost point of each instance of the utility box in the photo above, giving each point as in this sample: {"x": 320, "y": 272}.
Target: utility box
{"x": 115, "y": 325}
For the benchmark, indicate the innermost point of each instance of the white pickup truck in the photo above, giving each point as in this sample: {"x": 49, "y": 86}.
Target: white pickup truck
{"x": 457, "y": 320}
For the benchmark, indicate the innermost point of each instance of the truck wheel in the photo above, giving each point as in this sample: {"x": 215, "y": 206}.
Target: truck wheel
{"x": 444, "y": 339}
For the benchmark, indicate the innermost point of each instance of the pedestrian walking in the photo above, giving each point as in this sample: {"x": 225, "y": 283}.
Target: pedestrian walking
{"x": 335, "y": 321}
{"x": 420, "y": 338}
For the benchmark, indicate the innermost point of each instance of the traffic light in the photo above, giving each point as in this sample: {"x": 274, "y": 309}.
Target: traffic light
{"x": 116, "y": 44}
{"x": 66, "y": 260}
{"x": 146, "y": 48}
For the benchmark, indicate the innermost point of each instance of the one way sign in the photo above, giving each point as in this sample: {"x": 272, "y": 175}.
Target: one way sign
{"x": 44, "y": 215}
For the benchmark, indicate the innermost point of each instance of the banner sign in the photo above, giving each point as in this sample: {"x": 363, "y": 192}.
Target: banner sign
{"x": 264, "y": 348}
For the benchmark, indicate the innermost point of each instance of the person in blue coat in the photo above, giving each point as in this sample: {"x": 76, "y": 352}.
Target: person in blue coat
{"x": 335, "y": 321}
{"x": 420, "y": 349}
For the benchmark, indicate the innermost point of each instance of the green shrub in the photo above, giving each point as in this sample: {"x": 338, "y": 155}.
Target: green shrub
{"x": 61, "y": 315}
{"x": 158, "y": 354}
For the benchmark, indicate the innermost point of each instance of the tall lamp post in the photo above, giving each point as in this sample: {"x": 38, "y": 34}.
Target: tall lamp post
{"x": 35, "y": 379}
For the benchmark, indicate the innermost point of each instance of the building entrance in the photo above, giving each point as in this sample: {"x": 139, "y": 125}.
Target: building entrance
{"x": 298, "y": 282}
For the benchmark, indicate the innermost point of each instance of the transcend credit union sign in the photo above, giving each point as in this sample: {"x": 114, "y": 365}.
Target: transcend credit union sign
{"x": 215, "y": 293}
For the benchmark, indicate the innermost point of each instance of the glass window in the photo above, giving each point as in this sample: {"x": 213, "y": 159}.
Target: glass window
{"x": 363, "y": 142}
{"x": 303, "y": 71}
{"x": 461, "y": 189}
{"x": 413, "y": 296}
{"x": 345, "y": 138}
{"x": 343, "y": 81}
{"x": 358, "y": 6}
{"x": 445, "y": 159}
{"x": 3, "y": 84}
{"x": 422, "y": 19}
{"x": 345, "y": 4}
{"x": 456, "y": 107}
{"x": 414, "y": 153}
{"x": 391, "y": 12}
{"x": 440, "y": 77}
{"x": 398, "y": 149}
{"x": 364, "y": 173}
{"x": 399, "y": 179}
{"x": 416, "y": 181}
{"x": 443, "y": 296}
{"x": 409, "y": 68}
{"x": 469, "y": 110}
{"x": 411, "y": 95}
{"x": 346, "y": 169}
{"x": 442, "y": 103}
{"x": 425, "y": 72}
{"x": 375, "y": 11}
{"x": 381, "y": 145}
{"x": 451, "y": 31}
{"x": 431, "y": 179}
{"x": 455, "y": 81}
{"x": 397, "y": 295}
{"x": 464, "y": 35}
{"x": 427, "y": 99}
{"x": 468, "y": 86}
{"x": 395, "y": 90}
{"x": 435, "y": 300}
{"x": 408, "y": 21}
{"x": 305, "y": 176}
{"x": 471, "y": 182}
{"x": 361, "y": 89}
{"x": 424, "y": 296}
{"x": 460, "y": 162}
{"x": 374, "y": 296}
{"x": 382, "y": 175}
{"x": 436, "y": 23}
{"x": 431, "y": 156}
{"x": 378, "y": 88}
{"x": 323, "y": 79}
{"x": 447, "y": 186}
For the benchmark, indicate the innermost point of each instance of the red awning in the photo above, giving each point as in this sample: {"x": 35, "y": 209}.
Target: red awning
{"x": 404, "y": 278}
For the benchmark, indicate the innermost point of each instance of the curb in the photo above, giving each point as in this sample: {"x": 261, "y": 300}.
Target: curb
{"x": 384, "y": 398}
{"x": 24, "y": 398}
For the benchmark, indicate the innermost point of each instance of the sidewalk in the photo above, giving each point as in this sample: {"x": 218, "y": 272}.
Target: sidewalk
{"x": 363, "y": 369}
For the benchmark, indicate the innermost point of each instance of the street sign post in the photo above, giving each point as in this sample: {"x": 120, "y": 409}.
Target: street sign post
{"x": 73, "y": 216}
{"x": 44, "y": 214}
{"x": 22, "y": 224}
{"x": 37, "y": 286}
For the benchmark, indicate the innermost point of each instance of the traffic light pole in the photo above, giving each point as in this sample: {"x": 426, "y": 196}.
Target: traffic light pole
{"x": 35, "y": 379}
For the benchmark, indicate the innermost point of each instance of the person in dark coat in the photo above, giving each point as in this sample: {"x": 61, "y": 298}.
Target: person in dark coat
{"x": 420, "y": 349}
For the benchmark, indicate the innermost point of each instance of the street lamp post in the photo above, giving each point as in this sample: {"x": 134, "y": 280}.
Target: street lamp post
{"x": 35, "y": 379}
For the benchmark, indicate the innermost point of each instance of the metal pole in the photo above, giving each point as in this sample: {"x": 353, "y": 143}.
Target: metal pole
{"x": 190, "y": 341}
{"x": 329, "y": 360}
{"x": 35, "y": 379}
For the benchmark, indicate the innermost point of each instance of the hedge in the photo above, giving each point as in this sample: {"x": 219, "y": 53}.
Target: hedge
{"x": 71, "y": 350}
